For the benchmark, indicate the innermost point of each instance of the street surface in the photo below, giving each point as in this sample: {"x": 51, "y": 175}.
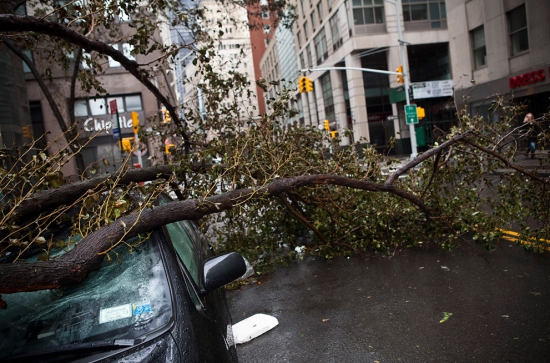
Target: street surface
{"x": 418, "y": 306}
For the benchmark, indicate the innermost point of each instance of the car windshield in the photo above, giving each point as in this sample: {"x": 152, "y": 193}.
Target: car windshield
{"x": 127, "y": 298}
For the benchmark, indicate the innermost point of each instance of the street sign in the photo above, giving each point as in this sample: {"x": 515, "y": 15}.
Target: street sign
{"x": 411, "y": 115}
{"x": 116, "y": 132}
{"x": 113, "y": 107}
{"x": 432, "y": 89}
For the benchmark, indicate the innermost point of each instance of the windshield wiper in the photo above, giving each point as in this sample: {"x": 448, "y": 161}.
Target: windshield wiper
{"x": 76, "y": 348}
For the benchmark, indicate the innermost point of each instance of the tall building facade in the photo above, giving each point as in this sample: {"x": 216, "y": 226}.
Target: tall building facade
{"x": 100, "y": 126}
{"x": 364, "y": 34}
{"x": 501, "y": 48}
{"x": 227, "y": 25}
{"x": 279, "y": 66}
{"x": 470, "y": 49}
{"x": 263, "y": 22}
{"x": 15, "y": 115}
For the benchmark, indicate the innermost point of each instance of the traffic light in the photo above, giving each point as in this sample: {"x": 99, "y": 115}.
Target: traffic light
{"x": 333, "y": 134}
{"x": 327, "y": 126}
{"x": 302, "y": 84}
{"x": 305, "y": 84}
{"x": 420, "y": 112}
{"x": 400, "y": 78}
{"x": 26, "y": 131}
{"x": 126, "y": 144}
{"x": 135, "y": 122}
{"x": 309, "y": 85}
{"x": 166, "y": 116}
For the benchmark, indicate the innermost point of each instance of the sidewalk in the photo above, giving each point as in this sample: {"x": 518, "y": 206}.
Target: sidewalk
{"x": 540, "y": 162}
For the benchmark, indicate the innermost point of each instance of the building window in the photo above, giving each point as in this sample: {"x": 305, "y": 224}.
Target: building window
{"x": 265, "y": 14}
{"x": 368, "y": 12}
{"x": 320, "y": 10}
{"x": 422, "y": 10}
{"x": 81, "y": 108}
{"x": 328, "y": 101}
{"x": 28, "y": 53}
{"x": 299, "y": 37}
{"x": 99, "y": 106}
{"x": 320, "y": 41}
{"x": 313, "y": 23}
{"x": 305, "y": 30}
{"x": 302, "y": 63}
{"x": 517, "y": 24}
{"x": 126, "y": 49}
{"x": 334, "y": 23}
{"x": 267, "y": 29}
{"x": 21, "y": 9}
{"x": 309, "y": 58}
{"x": 478, "y": 47}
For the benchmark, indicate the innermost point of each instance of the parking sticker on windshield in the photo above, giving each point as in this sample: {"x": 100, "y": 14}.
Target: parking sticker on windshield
{"x": 115, "y": 313}
{"x": 141, "y": 308}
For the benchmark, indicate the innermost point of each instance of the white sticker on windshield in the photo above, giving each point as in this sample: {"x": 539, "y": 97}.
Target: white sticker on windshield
{"x": 115, "y": 313}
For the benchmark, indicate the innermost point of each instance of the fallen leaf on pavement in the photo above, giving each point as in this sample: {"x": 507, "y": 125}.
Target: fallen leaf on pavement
{"x": 446, "y": 317}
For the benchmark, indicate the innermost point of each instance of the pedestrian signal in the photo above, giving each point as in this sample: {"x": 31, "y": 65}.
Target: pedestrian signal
{"x": 127, "y": 144}
{"x": 27, "y": 132}
{"x": 135, "y": 121}
{"x": 168, "y": 148}
{"x": 420, "y": 112}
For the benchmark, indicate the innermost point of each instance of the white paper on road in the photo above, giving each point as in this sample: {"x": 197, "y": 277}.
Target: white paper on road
{"x": 252, "y": 327}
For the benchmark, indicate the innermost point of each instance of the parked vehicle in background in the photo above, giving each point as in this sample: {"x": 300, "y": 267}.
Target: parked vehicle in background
{"x": 157, "y": 300}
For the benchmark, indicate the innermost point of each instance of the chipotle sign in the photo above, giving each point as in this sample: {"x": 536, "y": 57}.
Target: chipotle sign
{"x": 527, "y": 79}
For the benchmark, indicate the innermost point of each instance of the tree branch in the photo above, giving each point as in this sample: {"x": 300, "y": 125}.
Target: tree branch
{"x": 425, "y": 156}
{"x": 506, "y": 162}
{"x": 48, "y": 200}
{"x": 304, "y": 220}
{"x": 15, "y": 23}
{"x": 86, "y": 256}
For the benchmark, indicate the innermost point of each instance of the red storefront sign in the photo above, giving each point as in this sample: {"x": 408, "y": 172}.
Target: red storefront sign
{"x": 527, "y": 78}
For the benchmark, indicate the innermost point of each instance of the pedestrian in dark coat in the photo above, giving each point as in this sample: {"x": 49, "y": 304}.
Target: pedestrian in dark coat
{"x": 529, "y": 120}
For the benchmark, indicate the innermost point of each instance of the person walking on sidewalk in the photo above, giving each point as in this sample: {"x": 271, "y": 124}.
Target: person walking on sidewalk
{"x": 529, "y": 120}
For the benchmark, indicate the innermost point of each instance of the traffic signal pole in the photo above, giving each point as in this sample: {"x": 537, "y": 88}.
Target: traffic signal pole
{"x": 405, "y": 74}
{"x": 412, "y": 131}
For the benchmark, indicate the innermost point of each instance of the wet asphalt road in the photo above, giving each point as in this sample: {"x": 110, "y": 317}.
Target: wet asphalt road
{"x": 390, "y": 310}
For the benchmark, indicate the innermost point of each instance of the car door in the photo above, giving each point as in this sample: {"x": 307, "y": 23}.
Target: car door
{"x": 211, "y": 319}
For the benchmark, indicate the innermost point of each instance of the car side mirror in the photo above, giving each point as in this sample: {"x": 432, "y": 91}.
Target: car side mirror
{"x": 221, "y": 270}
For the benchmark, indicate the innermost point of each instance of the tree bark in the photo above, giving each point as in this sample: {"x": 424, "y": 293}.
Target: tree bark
{"x": 75, "y": 266}
{"x": 48, "y": 200}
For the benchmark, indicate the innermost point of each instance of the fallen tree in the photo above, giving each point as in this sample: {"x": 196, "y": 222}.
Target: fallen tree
{"x": 274, "y": 185}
